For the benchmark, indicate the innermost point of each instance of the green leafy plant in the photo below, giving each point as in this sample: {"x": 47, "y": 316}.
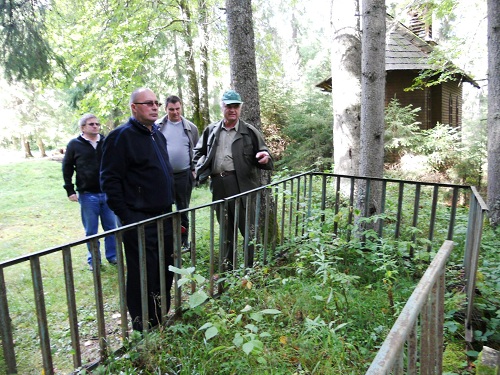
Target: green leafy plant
{"x": 402, "y": 131}
{"x": 199, "y": 296}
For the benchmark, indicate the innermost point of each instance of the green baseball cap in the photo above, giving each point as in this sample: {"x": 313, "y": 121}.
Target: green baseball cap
{"x": 231, "y": 97}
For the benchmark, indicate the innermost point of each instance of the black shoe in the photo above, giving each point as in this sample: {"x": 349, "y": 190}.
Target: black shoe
{"x": 113, "y": 261}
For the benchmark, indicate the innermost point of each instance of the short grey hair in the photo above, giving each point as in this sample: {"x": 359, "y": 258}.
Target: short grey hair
{"x": 84, "y": 119}
{"x": 136, "y": 92}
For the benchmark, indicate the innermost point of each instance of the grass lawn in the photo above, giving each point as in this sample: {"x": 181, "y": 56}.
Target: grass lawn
{"x": 35, "y": 214}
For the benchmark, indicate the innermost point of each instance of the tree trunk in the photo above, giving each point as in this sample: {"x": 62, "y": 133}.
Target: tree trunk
{"x": 193, "y": 90}
{"x": 204, "y": 103}
{"x": 346, "y": 87}
{"x": 242, "y": 58}
{"x": 244, "y": 79}
{"x": 178, "y": 72}
{"x": 494, "y": 111}
{"x": 41, "y": 147}
{"x": 372, "y": 101}
{"x": 26, "y": 147}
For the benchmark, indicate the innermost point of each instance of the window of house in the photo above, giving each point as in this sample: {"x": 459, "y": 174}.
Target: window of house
{"x": 450, "y": 111}
{"x": 428, "y": 103}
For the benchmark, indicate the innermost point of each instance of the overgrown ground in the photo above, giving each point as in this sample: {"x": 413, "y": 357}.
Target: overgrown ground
{"x": 324, "y": 309}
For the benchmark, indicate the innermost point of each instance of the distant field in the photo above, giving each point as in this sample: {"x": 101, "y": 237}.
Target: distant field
{"x": 35, "y": 213}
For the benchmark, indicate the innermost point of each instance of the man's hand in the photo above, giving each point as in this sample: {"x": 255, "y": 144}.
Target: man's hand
{"x": 73, "y": 198}
{"x": 263, "y": 157}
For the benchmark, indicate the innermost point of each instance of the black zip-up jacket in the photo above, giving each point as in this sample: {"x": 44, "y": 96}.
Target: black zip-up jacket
{"x": 136, "y": 174}
{"x": 82, "y": 158}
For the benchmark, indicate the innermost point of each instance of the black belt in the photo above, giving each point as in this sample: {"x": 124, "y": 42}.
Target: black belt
{"x": 223, "y": 174}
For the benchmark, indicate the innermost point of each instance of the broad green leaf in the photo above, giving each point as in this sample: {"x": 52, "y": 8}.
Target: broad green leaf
{"x": 238, "y": 340}
{"x": 205, "y": 326}
{"x": 182, "y": 281}
{"x": 199, "y": 279}
{"x": 181, "y": 271}
{"x": 256, "y": 316}
{"x": 252, "y": 328}
{"x": 246, "y": 308}
{"x": 238, "y": 318}
{"x": 211, "y": 332}
{"x": 248, "y": 347}
{"x": 197, "y": 298}
{"x": 261, "y": 360}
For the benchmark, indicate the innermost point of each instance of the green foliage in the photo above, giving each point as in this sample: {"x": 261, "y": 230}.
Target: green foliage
{"x": 26, "y": 53}
{"x": 402, "y": 131}
{"x": 441, "y": 145}
{"x": 442, "y": 70}
{"x": 448, "y": 154}
{"x": 188, "y": 275}
{"x": 309, "y": 131}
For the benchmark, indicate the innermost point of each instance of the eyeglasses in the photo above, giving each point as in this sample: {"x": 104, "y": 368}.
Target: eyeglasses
{"x": 151, "y": 103}
{"x": 93, "y": 124}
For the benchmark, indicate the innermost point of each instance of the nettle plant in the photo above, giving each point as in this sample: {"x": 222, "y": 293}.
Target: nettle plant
{"x": 247, "y": 325}
{"x": 189, "y": 276}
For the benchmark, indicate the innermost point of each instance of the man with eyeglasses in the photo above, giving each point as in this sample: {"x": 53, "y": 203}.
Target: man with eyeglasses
{"x": 182, "y": 135}
{"x": 138, "y": 179}
{"x": 231, "y": 152}
{"x": 83, "y": 157}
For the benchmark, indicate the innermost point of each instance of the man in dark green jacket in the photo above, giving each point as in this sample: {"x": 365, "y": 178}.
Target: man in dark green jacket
{"x": 232, "y": 152}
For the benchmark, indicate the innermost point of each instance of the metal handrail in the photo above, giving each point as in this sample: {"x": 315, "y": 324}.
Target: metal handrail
{"x": 426, "y": 302}
{"x": 288, "y": 207}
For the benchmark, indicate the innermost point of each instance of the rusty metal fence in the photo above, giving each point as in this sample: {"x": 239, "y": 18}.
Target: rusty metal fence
{"x": 281, "y": 212}
{"x": 415, "y": 343}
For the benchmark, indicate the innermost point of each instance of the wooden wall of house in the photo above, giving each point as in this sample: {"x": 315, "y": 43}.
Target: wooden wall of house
{"x": 440, "y": 103}
{"x": 451, "y": 104}
{"x": 396, "y": 83}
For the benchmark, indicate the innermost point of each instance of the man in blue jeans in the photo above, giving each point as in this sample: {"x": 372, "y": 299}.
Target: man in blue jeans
{"x": 83, "y": 156}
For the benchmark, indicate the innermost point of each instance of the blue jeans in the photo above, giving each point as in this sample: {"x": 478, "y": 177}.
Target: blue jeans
{"x": 93, "y": 206}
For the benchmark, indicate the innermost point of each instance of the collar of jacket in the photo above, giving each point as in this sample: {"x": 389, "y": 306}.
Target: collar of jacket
{"x": 143, "y": 128}
{"x": 163, "y": 121}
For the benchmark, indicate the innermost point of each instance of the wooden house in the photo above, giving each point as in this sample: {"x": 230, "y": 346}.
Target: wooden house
{"x": 407, "y": 55}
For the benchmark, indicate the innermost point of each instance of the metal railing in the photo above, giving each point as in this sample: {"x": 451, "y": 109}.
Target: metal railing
{"x": 283, "y": 210}
{"x": 426, "y": 302}
{"x": 419, "y": 327}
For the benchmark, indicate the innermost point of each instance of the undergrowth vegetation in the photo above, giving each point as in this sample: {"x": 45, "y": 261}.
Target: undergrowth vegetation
{"x": 323, "y": 305}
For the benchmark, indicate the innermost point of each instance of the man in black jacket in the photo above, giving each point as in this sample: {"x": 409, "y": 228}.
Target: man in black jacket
{"x": 137, "y": 177}
{"x": 83, "y": 156}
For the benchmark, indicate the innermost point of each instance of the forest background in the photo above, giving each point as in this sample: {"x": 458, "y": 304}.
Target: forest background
{"x": 99, "y": 52}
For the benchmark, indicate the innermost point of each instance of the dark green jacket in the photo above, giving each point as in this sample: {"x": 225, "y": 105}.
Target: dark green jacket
{"x": 247, "y": 143}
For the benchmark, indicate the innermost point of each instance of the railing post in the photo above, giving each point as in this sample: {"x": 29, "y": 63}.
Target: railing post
{"x": 41, "y": 314}
{"x": 71, "y": 301}
{"x": 121, "y": 284}
{"x": 6, "y": 328}
{"x": 477, "y": 211}
{"x": 141, "y": 237}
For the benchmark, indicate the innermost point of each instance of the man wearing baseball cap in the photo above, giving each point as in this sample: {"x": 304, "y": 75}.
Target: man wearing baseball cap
{"x": 231, "y": 152}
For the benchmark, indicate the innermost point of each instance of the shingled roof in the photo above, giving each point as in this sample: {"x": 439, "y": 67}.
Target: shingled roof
{"x": 404, "y": 51}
